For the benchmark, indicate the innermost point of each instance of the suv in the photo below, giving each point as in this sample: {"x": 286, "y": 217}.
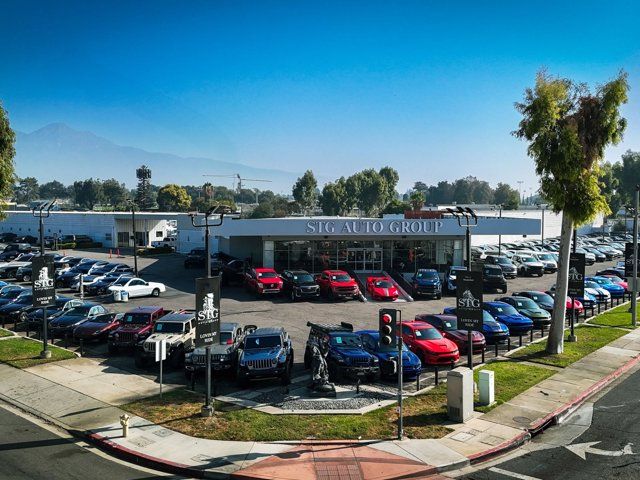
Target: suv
{"x": 263, "y": 281}
{"x": 265, "y": 352}
{"x": 299, "y": 284}
{"x": 233, "y": 272}
{"x": 196, "y": 258}
{"x": 493, "y": 278}
{"x": 527, "y": 265}
{"x": 178, "y": 329}
{"x": 135, "y": 325}
{"x": 508, "y": 268}
{"x": 337, "y": 284}
{"x": 224, "y": 356}
{"x": 346, "y": 355}
{"x": 426, "y": 281}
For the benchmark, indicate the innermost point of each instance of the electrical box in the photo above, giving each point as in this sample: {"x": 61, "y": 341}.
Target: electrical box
{"x": 460, "y": 394}
{"x": 486, "y": 387}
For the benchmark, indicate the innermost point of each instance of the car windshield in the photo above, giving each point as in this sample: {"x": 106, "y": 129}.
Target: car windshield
{"x": 542, "y": 298}
{"x": 135, "y": 318}
{"x": 168, "y": 327}
{"x": 504, "y": 309}
{"x": 603, "y": 281}
{"x": 503, "y": 261}
{"x": 267, "y": 274}
{"x": 545, "y": 256}
{"x": 383, "y": 284}
{"x": 106, "y": 318}
{"x": 427, "y": 334}
{"x": 427, "y": 274}
{"x": 343, "y": 277}
{"x": 121, "y": 282}
{"x": 346, "y": 340}
{"x": 450, "y": 323}
{"x": 81, "y": 310}
{"x": 388, "y": 348}
{"x": 303, "y": 278}
{"x": 270, "y": 341}
{"x": 11, "y": 293}
{"x": 526, "y": 303}
{"x": 528, "y": 259}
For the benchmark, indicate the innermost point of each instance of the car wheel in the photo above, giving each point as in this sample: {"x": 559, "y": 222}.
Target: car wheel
{"x": 26, "y": 278}
{"x": 156, "y": 292}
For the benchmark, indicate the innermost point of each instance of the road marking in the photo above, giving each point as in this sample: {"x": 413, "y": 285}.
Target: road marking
{"x": 581, "y": 450}
{"x": 507, "y": 473}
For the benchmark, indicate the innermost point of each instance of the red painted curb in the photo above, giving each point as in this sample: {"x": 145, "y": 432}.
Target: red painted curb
{"x": 515, "y": 442}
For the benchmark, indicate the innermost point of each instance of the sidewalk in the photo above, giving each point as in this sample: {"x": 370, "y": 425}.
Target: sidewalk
{"x": 56, "y": 393}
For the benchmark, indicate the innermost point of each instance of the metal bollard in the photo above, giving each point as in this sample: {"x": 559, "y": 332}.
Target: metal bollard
{"x": 418, "y": 381}
{"x": 599, "y": 306}
{"x": 66, "y": 340}
{"x": 496, "y": 347}
{"x": 508, "y": 344}
{"x": 531, "y": 335}
{"x": 124, "y": 421}
{"x": 541, "y": 331}
{"x": 436, "y": 372}
{"x": 520, "y": 340}
{"x": 193, "y": 381}
{"x": 357, "y": 385}
{"x": 483, "y": 349}
{"x": 82, "y": 347}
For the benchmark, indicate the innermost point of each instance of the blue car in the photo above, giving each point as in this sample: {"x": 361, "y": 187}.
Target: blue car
{"x": 614, "y": 289}
{"x": 411, "y": 365}
{"x": 426, "y": 281}
{"x": 517, "y": 323}
{"x": 493, "y": 331}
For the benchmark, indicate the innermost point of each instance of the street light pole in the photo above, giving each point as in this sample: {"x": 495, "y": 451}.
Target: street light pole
{"x": 634, "y": 294}
{"x": 500, "y": 236}
{"x": 43, "y": 212}
{"x": 133, "y": 236}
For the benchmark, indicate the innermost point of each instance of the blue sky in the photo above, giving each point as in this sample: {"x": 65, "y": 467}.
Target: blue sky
{"x": 426, "y": 87}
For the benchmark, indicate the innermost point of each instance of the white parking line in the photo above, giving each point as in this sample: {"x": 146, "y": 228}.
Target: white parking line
{"x": 507, "y": 473}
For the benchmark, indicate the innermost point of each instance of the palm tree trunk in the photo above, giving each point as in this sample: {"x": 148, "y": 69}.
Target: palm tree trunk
{"x": 555, "y": 342}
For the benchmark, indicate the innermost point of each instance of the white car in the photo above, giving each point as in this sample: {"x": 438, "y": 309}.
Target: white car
{"x": 137, "y": 287}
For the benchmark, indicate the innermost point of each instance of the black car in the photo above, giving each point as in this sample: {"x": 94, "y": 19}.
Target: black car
{"x": 112, "y": 268}
{"x": 23, "y": 274}
{"x": 508, "y": 268}
{"x": 544, "y": 300}
{"x": 66, "y": 321}
{"x": 493, "y": 279}
{"x": 9, "y": 293}
{"x": 6, "y": 237}
{"x": 31, "y": 317}
{"x": 101, "y": 287}
{"x": 72, "y": 275}
{"x": 66, "y": 262}
{"x": 196, "y": 258}
{"x": 233, "y": 272}
{"x": 12, "y": 250}
{"x": 11, "y": 311}
{"x": 30, "y": 239}
{"x": 618, "y": 272}
{"x": 299, "y": 284}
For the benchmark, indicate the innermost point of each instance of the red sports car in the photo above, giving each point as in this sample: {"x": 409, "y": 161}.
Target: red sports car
{"x": 578, "y": 305}
{"x": 382, "y": 288}
{"x": 428, "y": 343}
{"x": 98, "y": 327}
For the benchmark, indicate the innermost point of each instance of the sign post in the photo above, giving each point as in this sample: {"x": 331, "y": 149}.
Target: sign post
{"x": 469, "y": 306}
{"x": 161, "y": 354}
{"x": 207, "y": 327}
{"x": 575, "y": 286}
{"x": 44, "y": 293}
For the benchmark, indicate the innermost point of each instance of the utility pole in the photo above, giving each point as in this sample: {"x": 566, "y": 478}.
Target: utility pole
{"x": 43, "y": 212}
{"x": 135, "y": 244}
{"x": 500, "y": 236}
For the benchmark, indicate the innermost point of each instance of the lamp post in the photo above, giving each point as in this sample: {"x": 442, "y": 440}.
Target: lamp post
{"x": 634, "y": 293}
{"x": 41, "y": 212}
{"x": 499, "y": 236}
{"x": 133, "y": 236}
{"x": 208, "y": 408}
{"x": 466, "y": 218}
{"x": 543, "y": 207}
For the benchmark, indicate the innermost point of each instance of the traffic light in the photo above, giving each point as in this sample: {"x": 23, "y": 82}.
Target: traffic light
{"x": 387, "y": 326}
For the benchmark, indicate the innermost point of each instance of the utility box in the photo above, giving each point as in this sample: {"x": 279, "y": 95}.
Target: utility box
{"x": 486, "y": 387}
{"x": 460, "y": 394}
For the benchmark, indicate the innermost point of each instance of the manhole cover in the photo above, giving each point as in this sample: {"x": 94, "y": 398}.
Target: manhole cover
{"x": 522, "y": 420}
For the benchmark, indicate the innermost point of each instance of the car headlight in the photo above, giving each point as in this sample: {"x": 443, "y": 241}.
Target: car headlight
{"x": 260, "y": 286}
{"x": 375, "y": 360}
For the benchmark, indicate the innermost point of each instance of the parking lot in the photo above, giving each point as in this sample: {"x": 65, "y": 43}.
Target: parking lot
{"x": 244, "y": 308}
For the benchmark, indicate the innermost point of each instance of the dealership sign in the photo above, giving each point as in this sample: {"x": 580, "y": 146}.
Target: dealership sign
{"x": 628, "y": 259}
{"x": 43, "y": 282}
{"x": 469, "y": 300}
{"x": 207, "y": 311}
{"x": 367, "y": 227}
{"x": 576, "y": 275}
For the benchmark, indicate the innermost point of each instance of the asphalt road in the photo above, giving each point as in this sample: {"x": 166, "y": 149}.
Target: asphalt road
{"x": 606, "y": 433}
{"x": 29, "y": 451}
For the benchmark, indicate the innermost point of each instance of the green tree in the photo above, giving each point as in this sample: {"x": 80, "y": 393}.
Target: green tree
{"x": 416, "y": 199}
{"x": 54, "y": 189}
{"x": 88, "y": 193}
{"x": 627, "y": 174}
{"x": 506, "y": 196}
{"x": 372, "y": 191}
{"x": 333, "y": 198}
{"x": 391, "y": 178}
{"x": 304, "y": 190}
{"x": 115, "y": 193}
{"x": 7, "y": 152}
{"x": 396, "y": 207}
{"x": 567, "y": 128}
{"x": 609, "y": 187}
{"x": 27, "y": 190}
{"x": 263, "y": 210}
{"x": 173, "y": 198}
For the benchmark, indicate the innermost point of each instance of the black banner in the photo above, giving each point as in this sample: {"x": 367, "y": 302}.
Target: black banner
{"x": 469, "y": 300}
{"x": 43, "y": 282}
{"x": 628, "y": 259}
{"x": 576, "y": 275}
{"x": 207, "y": 311}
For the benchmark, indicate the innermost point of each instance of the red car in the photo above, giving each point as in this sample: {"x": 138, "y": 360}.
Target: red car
{"x": 578, "y": 305}
{"x": 428, "y": 344}
{"x": 381, "y": 288}
{"x": 618, "y": 281}
{"x": 263, "y": 281}
{"x": 337, "y": 284}
{"x": 98, "y": 327}
{"x": 137, "y": 324}
{"x": 447, "y": 325}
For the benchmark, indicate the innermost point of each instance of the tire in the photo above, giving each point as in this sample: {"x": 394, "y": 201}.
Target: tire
{"x": 155, "y": 292}
{"x": 26, "y": 278}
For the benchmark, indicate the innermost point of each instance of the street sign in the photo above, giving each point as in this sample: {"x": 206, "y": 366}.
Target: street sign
{"x": 576, "y": 275}
{"x": 43, "y": 282}
{"x": 161, "y": 349}
{"x": 469, "y": 300}
{"x": 207, "y": 312}
{"x": 628, "y": 259}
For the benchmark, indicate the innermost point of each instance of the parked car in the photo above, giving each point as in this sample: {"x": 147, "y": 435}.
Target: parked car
{"x": 299, "y": 285}
{"x": 177, "y": 330}
{"x": 493, "y": 331}
{"x": 618, "y": 272}
{"x": 428, "y": 344}
{"x": 265, "y": 353}
{"x": 493, "y": 279}
{"x": 517, "y": 323}
{"x": 616, "y": 290}
{"x": 548, "y": 261}
{"x": 11, "y": 311}
{"x": 101, "y": 285}
{"x": 137, "y": 287}
{"x": 346, "y": 356}
{"x": 97, "y": 328}
{"x": 12, "y": 250}
{"x": 196, "y": 258}
{"x": 224, "y": 355}
{"x": 336, "y": 284}
{"x": 450, "y": 277}
{"x": 263, "y": 281}
{"x": 9, "y": 293}
{"x": 508, "y": 268}
{"x": 589, "y": 258}
{"x": 66, "y": 278}
{"x": 447, "y": 325}
{"x": 135, "y": 325}
{"x": 387, "y": 356}
{"x": 527, "y": 265}
{"x": 28, "y": 239}
{"x": 600, "y": 257}
{"x": 10, "y": 269}
{"x": 382, "y": 288}
{"x": 426, "y": 282}
{"x": 233, "y": 272}
{"x": 24, "y": 273}
{"x": 529, "y": 308}
{"x": 6, "y": 237}
{"x": 31, "y": 317}
{"x": 111, "y": 267}
{"x": 66, "y": 321}
{"x": 165, "y": 242}
{"x": 618, "y": 281}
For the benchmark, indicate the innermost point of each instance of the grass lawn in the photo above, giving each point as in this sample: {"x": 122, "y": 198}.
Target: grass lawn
{"x": 22, "y": 353}
{"x": 5, "y": 333}
{"x": 590, "y": 339}
{"x": 618, "y": 317}
{"x": 180, "y": 410}
{"x": 511, "y": 379}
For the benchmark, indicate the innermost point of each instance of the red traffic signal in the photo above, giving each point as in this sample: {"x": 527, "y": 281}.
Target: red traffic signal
{"x": 387, "y": 324}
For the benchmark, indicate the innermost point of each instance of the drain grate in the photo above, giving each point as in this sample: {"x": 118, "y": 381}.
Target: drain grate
{"x": 338, "y": 471}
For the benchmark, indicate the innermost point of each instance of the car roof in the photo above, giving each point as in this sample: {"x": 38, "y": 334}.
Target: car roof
{"x": 335, "y": 272}
{"x": 297, "y": 272}
{"x": 418, "y": 323}
{"x": 228, "y": 327}
{"x": 264, "y": 269}
{"x": 331, "y": 327}
{"x": 258, "y": 332}
{"x": 439, "y": 316}
{"x": 178, "y": 317}
{"x": 145, "y": 309}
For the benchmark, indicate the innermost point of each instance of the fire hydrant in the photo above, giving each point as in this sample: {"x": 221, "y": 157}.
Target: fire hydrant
{"x": 124, "y": 421}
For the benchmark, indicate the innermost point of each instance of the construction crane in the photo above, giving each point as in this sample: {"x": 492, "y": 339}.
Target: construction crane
{"x": 236, "y": 176}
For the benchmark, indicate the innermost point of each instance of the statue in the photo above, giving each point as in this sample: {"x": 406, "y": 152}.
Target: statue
{"x": 319, "y": 371}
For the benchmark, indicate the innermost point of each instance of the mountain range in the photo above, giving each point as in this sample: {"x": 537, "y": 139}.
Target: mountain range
{"x": 59, "y": 152}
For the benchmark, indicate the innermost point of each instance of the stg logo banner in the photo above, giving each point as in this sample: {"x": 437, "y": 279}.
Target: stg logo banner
{"x": 576, "y": 275}
{"x": 43, "y": 283}
{"x": 207, "y": 311}
{"x": 469, "y": 300}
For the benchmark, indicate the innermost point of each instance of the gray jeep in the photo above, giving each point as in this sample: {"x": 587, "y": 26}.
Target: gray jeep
{"x": 178, "y": 329}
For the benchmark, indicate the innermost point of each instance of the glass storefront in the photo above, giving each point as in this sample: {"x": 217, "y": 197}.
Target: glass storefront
{"x": 367, "y": 255}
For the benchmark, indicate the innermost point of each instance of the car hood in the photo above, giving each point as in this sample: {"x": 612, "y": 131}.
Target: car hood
{"x": 216, "y": 349}
{"x": 351, "y": 352}
{"x": 408, "y": 357}
{"x": 261, "y": 353}
{"x": 534, "y": 312}
{"x": 88, "y": 327}
{"x": 534, "y": 264}
{"x": 351, "y": 283}
{"x": 515, "y": 320}
{"x": 131, "y": 328}
{"x": 437, "y": 345}
{"x": 170, "y": 338}
{"x": 386, "y": 291}
{"x": 270, "y": 280}
{"x": 14, "y": 264}
{"x": 426, "y": 281}
{"x": 306, "y": 284}
{"x": 494, "y": 327}
{"x": 12, "y": 307}
{"x": 63, "y": 320}
{"x": 462, "y": 335}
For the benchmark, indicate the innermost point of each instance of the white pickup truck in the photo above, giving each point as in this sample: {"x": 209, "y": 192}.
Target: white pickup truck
{"x": 165, "y": 242}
